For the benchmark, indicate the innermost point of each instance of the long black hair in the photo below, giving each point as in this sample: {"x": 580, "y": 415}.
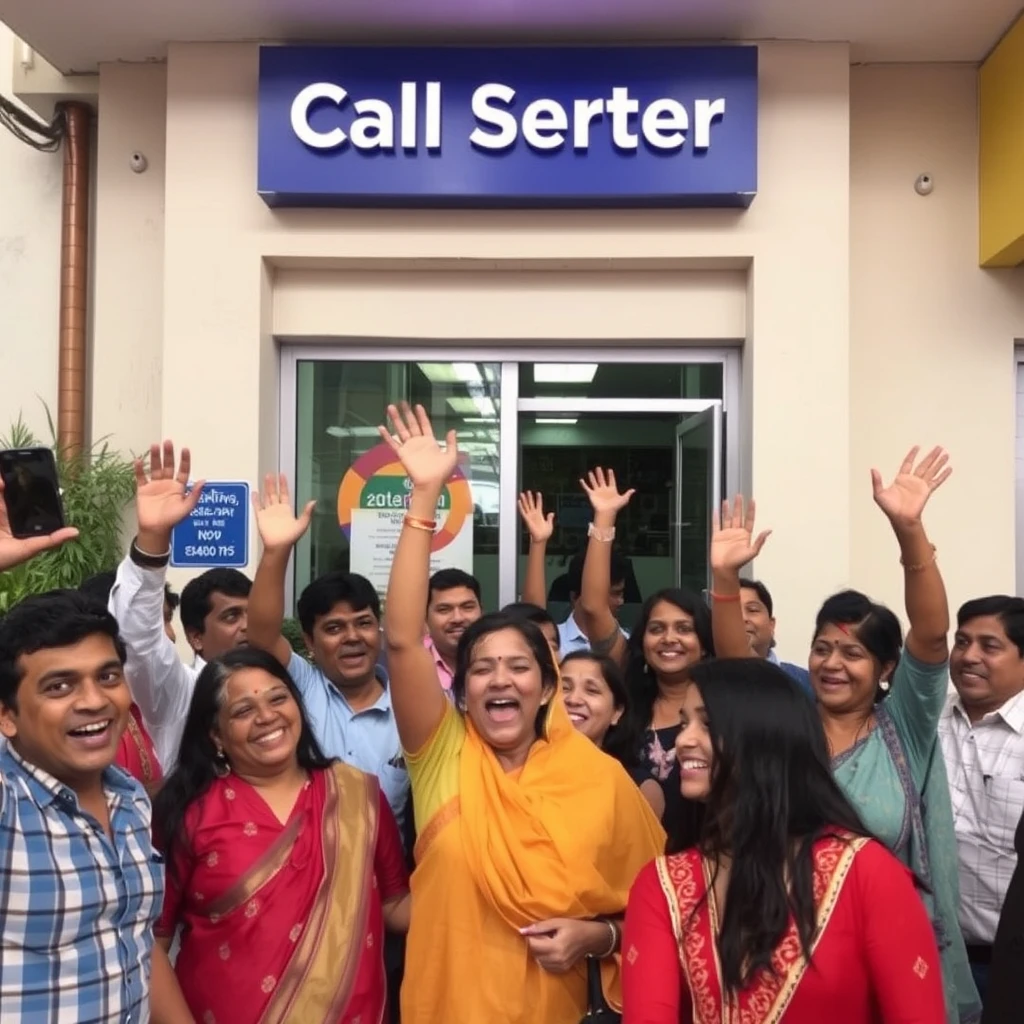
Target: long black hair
{"x": 772, "y": 797}
{"x": 495, "y": 622}
{"x": 197, "y": 763}
{"x": 640, "y": 682}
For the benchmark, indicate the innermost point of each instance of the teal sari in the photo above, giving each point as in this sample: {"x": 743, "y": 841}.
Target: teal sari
{"x": 896, "y": 779}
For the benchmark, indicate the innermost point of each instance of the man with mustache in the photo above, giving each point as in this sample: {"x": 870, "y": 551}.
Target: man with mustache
{"x": 982, "y": 735}
{"x": 345, "y": 689}
{"x": 453, "y": 604}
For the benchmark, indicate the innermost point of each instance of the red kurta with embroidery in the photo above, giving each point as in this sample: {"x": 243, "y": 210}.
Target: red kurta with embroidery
{"x": 875, "y": 960}
{"x": 136, "y": 753}
{"x": 254, "y": 912}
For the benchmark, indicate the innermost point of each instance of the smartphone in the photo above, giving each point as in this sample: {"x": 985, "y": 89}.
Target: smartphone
{"x": 31, "y": 491}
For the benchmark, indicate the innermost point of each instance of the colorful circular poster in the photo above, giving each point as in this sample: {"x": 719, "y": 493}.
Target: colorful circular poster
{"x": 376, "y": 488}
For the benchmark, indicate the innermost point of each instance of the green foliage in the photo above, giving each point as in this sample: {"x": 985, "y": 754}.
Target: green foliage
{"x": 97, "y": 485}
{"x": 292, "y": 632}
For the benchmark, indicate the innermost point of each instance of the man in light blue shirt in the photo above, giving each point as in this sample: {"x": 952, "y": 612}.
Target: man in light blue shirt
{"x": 344, "y": 688}
{"x": 570, "y": 636}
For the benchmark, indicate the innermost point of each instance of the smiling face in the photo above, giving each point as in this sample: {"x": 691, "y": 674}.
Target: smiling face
{"x": 72, "y": 707}
{"x": 345, "y": 645}
{"x": 449, "y": 613}
{"x": 986, "y": 667}
{"x": 504, "y": 690}
{"x": 224, "y": 628}
{"x": 589, "y": 699}
{"x": 258, "y": 724}
{"x": 693, "y": 747}
{"x": 670, "y": 642}
{"x": 844, "y": 674}
{"x": 759, "y": 624}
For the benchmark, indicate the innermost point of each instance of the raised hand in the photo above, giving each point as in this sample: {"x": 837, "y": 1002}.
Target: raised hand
{"x": 162, "y": 500}
{"x": 280, "y": 528}
{"x": 903, "y": 501}
{"x": 531, "y": 510}
{"x": 15, "y": 550}
{"x": 603, "y": 491}
{"x": 428, "y": 465}
{"x": 732, "y": 536}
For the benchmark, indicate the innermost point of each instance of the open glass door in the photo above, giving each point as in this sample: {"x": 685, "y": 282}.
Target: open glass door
{"x": 698, "y": 487}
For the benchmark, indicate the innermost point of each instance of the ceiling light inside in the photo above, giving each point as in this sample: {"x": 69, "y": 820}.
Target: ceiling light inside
{"x": 564, "y": 373}
{"x": 556, "y": 421}
{"x": 451, "y": 373}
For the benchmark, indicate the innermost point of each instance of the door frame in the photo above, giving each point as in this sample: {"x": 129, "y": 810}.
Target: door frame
{"x": 510, "y": 356}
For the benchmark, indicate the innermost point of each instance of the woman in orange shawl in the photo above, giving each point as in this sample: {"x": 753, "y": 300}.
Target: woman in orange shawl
{"x": 529, "y": 836}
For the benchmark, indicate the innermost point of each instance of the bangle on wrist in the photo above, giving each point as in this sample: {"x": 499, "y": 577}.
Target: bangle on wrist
{"x": 614, "y": 931}
{"x": 725, "y": 598}
{"x": 415, "y": 523}
{"x": 606, "y": 534}
{"x": 921, "y": 566}
{"x": 146, "y": 559}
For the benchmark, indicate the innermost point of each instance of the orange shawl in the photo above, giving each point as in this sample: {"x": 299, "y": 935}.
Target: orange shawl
{"x": 564, "y": 837}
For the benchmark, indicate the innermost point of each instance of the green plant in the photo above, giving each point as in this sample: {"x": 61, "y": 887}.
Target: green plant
{"x": 96, "y": 485}
{"x": 292, "y": 632}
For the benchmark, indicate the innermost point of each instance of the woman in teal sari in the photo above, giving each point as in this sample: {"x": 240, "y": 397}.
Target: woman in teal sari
{"x": 880, "y": 699}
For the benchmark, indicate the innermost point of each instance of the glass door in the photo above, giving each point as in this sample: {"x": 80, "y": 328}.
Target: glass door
{"x": 698, "y": 491}
{"x": 668, "y": 450}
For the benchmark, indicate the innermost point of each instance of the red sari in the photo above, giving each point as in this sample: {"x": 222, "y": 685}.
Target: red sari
{"x": 136, "y": 753}
{"x": 874, "y": 956}
{"x": 283, "y": 922}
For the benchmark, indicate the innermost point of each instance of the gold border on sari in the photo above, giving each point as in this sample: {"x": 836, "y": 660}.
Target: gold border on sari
{"x": 769, "y": 1005}
{"x": 317, "y": 983}
{"x": 262, "y": 872}
{"x": 447, "y": 814}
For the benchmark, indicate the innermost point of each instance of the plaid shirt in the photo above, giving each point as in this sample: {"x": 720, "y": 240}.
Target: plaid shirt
{"x": 76, "y": 909}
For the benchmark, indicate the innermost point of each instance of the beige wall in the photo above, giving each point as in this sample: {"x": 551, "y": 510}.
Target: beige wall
{"x": 219, "y": 234}
{"x": 932, "y": 335}
{"x": 867, "y": 317}
{"x": 30, "y": 192}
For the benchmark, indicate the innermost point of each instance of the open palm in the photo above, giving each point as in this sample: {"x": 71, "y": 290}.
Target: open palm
{"x": 531, "y": 509}
{"x": 733, "y": 544}
{"x": 903, "y": 501}
{"x": 424, "y": 460}
{"x": 162, "y": 499}
{"x": 280, "y": 528}
{"x": 603, "y": 491}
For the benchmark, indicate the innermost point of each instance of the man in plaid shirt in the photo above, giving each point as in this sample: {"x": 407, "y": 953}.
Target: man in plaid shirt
{"x": 80, "y": 882}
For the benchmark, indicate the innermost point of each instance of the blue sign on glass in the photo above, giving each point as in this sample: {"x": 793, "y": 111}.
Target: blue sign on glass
{"x": 500, "y": 126}
{"x": 216, "y": 534}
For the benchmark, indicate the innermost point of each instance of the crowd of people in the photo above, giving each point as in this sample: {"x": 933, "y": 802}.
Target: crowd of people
{"x": 442, "y": 814}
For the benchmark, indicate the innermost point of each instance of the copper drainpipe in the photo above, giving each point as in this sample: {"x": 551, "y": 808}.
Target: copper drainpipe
{"x": 74, "y": 280}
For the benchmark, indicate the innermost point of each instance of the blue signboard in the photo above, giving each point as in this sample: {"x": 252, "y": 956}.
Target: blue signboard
{"x": 490, "y": 126}
{"x": 216, "y": 534}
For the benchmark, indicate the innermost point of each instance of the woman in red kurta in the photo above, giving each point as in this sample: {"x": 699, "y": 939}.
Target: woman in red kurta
{"x": 282, "y": 867}
{"x": 136, "y": 753}
{"x": 779, "y": 908}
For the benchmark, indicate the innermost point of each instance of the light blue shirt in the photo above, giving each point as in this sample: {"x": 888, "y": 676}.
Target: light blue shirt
{"x": 572, "y": 638}
{"x": 366, "y": 739}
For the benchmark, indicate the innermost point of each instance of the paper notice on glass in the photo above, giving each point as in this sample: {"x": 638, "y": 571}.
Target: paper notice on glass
{"x": 374, "y": 538}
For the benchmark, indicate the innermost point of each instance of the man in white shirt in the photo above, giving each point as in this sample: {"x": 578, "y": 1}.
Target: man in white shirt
{"x": 982, "y": 735}
{"x": 161, "y": 683}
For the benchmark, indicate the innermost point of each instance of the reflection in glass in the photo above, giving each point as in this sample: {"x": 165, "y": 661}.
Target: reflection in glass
{"x": 339, "y": 407}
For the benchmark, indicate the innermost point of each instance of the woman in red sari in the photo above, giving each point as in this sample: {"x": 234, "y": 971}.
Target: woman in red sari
{"x": 283, "y": 867}
{"x": 780, "y": 907}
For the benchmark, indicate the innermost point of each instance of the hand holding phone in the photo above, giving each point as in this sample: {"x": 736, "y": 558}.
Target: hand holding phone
{"x": 31, "y": 515}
